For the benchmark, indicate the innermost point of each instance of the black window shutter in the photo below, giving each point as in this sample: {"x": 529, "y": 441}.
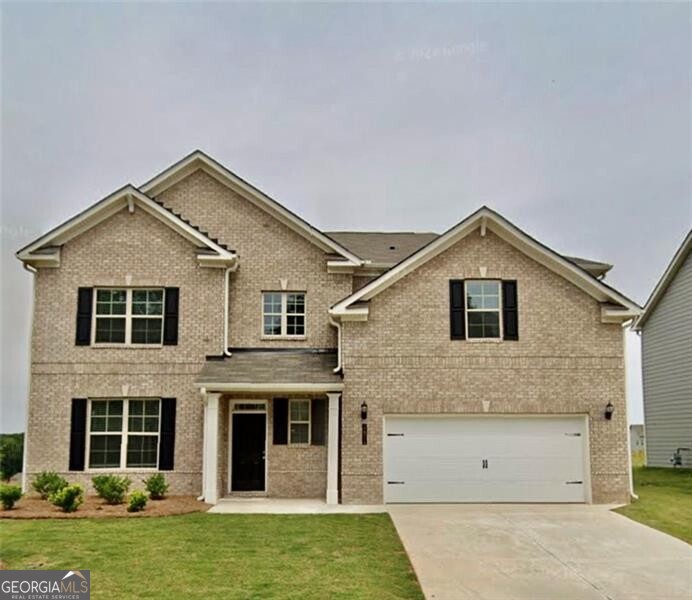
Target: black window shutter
{"x": 167, "y": 441}
{"x": 280, "y": 408}
{"x": 85, "y": 297}
{"x": 457, "y": 304}
{"x": 78, "y": 422}
{"x": 170, "y": 316}
{"x": 318, "y": 418}
{"x": 510, "y": 310}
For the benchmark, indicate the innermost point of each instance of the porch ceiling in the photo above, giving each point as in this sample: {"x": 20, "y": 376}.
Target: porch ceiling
{"x": 294, "y": 370}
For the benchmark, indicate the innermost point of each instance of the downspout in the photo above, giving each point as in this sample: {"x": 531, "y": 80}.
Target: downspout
{"x": 627, "y": 418}
{"x": 226, "y": 295}
{"x": 337, "y": 324}
{"x": 33, "y": 272}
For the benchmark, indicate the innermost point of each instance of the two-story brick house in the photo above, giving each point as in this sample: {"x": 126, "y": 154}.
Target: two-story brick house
{"x": 197, "y": 327}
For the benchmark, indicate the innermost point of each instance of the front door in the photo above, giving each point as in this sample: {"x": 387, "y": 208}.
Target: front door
{"x": 247, "y": 452}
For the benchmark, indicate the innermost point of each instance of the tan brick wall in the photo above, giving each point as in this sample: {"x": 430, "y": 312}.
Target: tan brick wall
{"x": 139, "y": 249}
{"x": 269, "y": 251}
{"x": 403, "y": 361}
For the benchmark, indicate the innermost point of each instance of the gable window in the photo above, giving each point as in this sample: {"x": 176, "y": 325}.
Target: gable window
{"x": 283, "y": 314}
{"x": 299, "y": 422}
{"x": 124, "y": 434}
{"x": 483, "y": 309}
{"x": 128, "y": 316}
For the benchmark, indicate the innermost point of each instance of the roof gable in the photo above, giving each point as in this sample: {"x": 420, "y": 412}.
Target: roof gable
{"x": 668, "y": 276}
{"x": 45, "y": 251}
{"x": 616, "y": 306}
{"x": 199, "y": 160}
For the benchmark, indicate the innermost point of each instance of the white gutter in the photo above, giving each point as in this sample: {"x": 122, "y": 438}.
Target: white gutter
{"x": 226, "y": 294}
{"x": 336, "y": 324}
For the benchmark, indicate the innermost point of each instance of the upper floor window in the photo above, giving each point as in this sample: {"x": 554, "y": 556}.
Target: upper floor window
{"x": 283, "y": 314}
{"x": 124, "y": 434}
{"x": 483, "y": 311}
{"x": 128, "y": 316}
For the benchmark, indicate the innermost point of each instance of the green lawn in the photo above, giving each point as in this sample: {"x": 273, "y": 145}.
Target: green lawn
{"x": 665, "y": 500}
{"x": 220, "y": 556}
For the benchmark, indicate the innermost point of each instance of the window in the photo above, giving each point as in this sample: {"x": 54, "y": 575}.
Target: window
{"x": 483, "y": 309}
{"x": 283, "y": 314}
{"x": 124, "y": 434}
{"x": 299, "y": 422}
{"x": 133, "y": 316}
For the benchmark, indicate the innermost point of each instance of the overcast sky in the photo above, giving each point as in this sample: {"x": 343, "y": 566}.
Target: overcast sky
{"x": 573, "y": 120}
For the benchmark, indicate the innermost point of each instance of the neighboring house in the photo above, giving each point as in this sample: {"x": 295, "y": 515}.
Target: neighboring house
{"x": 637, "y": 440}
{"x": 195, "y": 326}
{"x": 665, "y": 327}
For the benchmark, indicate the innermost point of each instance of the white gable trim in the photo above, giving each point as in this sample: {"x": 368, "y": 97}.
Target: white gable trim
{"x": 667, "y": 277}
{"x": 45, "y": 251}
{"x": 487, "y": 219}
{"x": 199, "y": 160}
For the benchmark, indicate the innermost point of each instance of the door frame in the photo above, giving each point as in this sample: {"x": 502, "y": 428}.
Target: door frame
{"x": 583, "y": 417}
{"x": 257, "y": 411}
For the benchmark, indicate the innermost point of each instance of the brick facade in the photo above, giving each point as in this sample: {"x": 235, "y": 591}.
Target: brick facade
{"x": 400, "y": 361}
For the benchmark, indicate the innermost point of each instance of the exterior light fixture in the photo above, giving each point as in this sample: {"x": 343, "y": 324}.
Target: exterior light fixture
{"x": 609, "y": 410}
{"x": 364, "y": 411}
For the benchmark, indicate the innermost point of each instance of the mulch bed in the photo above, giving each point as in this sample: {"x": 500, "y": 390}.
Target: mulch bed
{"x": 93, "y": 507}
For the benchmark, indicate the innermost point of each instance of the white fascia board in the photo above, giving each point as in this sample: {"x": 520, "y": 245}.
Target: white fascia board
{"x": 615, "y": 315}
{"x": 284, "y": 388}
{"x": 102, "y": 210}
{"x": 508, "y": 232}
{"x": 359, "y": 313}
{"x": 663, "y": 283}
{"x": 198, "y": 159}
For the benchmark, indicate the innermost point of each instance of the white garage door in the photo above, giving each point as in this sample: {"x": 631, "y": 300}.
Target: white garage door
{"x": 484, "y": 459}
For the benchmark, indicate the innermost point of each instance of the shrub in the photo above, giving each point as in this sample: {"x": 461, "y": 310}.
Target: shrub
{"x": 11, "y": 454}
{"x": 157, "y": 486}
{"x": 138, "y": 500}
{"x": 9, "y": 494}
{"x": 111, "y": 488}
{"x": 68, "y": 498}
{"x": 47, "y": 483}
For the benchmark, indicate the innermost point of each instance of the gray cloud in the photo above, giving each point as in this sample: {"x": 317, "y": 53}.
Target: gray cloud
{"x": 573, "y": 120}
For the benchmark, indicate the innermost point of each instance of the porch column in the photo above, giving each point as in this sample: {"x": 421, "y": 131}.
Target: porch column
{"x": 210, "y": 456}
{"x": 333, "y": 449}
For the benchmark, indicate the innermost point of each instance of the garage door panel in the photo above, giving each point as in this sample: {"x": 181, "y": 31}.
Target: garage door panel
{"x": 484, "y": 459}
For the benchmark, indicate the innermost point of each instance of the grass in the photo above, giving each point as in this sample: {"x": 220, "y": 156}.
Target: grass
{"x": 665, "y": 500}
{"x": 220, "y": 556}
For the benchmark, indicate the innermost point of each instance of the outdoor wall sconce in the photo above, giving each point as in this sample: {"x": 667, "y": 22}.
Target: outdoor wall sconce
{"x": 364, "y": 425}
{"x": 609, "y": 410}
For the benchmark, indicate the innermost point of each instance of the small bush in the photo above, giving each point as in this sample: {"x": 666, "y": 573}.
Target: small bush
{"x": 9, "y": 494}
{"x": 68, "y": 498}
{"x": 47, "y": 483}
{"x": 138, "y": 500}
{"x": 157, "y": 486}
{"x": 11, "y": 454}
{"x": 111, "y": 488}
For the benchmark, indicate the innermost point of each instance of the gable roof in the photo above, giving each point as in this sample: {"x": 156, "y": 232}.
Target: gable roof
{"x": 623, "y": 308}
{"x": 387, "y": 248}
{"x": 199, "y": 160}
{"x": 45, "y": 251}
{"x": 668, "y": 275}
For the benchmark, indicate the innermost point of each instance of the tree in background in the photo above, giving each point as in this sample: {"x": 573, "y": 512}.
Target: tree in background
{"x": 11, "y": 454}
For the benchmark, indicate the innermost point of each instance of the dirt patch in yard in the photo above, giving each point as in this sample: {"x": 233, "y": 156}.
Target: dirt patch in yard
{"x": 94, "y": 507}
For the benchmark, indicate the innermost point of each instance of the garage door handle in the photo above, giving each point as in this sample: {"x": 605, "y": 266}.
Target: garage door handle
{"x": 395, "y": 435}
{"x": 574, "y": 482}
{"x": 396, "y": 482}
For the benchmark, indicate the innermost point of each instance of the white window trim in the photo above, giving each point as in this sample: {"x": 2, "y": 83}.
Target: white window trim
{"x": 284, "y": 317}
{"x": 128, "y": 316}
{"x": 498, "y": 310}
{"x": 308, "y": 422}
{"x": 123, "y": 468}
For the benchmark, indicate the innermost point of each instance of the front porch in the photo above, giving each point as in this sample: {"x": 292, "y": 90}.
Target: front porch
{"x": 271, "y": 427}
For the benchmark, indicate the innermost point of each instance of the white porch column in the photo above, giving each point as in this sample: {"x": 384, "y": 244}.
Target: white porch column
{"x": 333, "y": 449}
{"x": 210, "y": 458}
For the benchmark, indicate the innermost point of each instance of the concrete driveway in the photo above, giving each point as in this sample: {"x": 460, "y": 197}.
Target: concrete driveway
{"x": 532, "y": 552}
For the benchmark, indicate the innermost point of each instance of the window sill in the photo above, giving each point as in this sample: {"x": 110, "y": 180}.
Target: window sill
{"x": 294, "y": 338}
{"x": 119, "y": 470}
{"x": 128, "y": 346}
{"x": 485, "y": 340}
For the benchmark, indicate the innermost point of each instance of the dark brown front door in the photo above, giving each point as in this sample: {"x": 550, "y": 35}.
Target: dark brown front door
{"x": 247, "y": 452}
